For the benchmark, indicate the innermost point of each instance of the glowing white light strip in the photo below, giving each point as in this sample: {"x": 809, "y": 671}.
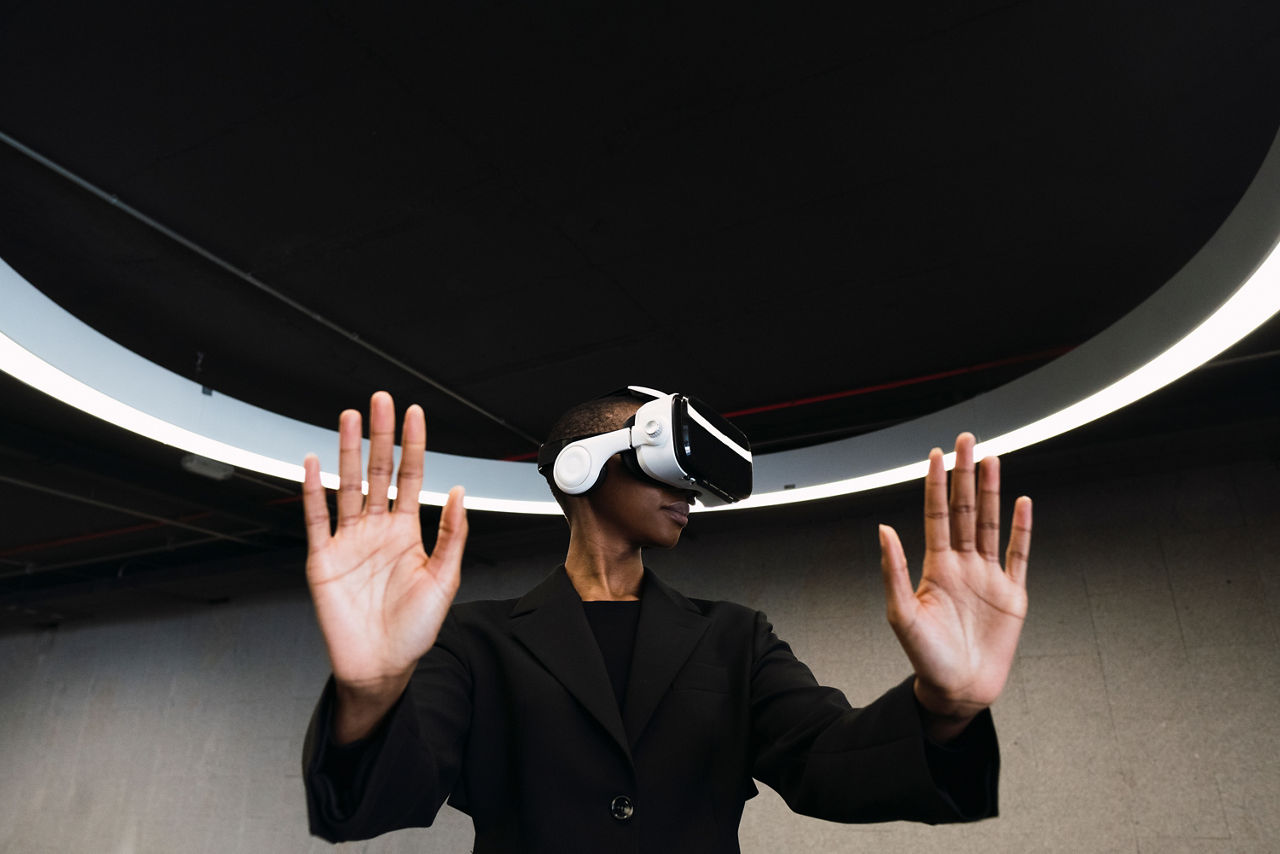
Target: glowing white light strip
{"x": 47, "y": 348}
{"x": 1248, "y": 309}
{"x": 36, "y": 372}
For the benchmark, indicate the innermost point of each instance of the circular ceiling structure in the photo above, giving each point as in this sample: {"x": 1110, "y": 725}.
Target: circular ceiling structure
{"x": 1230, "y": 287}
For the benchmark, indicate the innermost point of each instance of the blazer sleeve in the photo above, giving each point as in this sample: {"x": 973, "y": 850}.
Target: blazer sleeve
{"x": 835, "y": 762}
{"x": 402, "y": 773}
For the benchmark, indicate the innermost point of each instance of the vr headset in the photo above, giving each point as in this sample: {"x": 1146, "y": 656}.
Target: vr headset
{"x": 673, "y": 439}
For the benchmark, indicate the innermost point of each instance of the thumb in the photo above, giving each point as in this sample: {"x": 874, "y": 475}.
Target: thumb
{"x": 900, "y": 599}
{"x": 451, "y": 537}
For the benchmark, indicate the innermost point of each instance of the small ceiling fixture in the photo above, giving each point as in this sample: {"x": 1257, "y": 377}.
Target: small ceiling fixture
{"x": 205, "y": 467}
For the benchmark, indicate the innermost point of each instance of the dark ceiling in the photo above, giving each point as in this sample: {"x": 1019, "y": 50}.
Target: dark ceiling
{"x": 527, "y": 206}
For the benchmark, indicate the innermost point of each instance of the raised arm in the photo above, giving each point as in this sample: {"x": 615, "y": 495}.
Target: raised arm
{"x": 960, "y": 626}
{"x": 380, "y": 598}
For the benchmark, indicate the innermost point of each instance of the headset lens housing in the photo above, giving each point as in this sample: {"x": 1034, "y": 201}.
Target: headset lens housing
{"x": 715, "y": 454}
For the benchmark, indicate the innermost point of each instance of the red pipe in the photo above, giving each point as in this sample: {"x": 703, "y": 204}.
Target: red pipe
{"x": 924, "y": 378}
{"x": 854, "y": 392}
{"x": 99, "y": 535}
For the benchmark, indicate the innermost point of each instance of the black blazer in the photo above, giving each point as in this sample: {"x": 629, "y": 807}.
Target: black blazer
{"x": 512, "y": 718}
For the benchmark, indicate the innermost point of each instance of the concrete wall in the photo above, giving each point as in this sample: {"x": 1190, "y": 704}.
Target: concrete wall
{"x": 1140, "y": 716}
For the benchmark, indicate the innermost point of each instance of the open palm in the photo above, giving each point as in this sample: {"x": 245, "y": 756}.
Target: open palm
{"x": 380, "y": 597}
{"x": 960, "y": 626}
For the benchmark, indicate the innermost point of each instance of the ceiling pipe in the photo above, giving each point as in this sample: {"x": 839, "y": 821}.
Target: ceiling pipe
{"x": 45, "y": 545}
{"x": 127, "y": 529}
{"x": 61, "y": 567}
{"x": 250, "y": 279}
{"x": 84, "y": 499}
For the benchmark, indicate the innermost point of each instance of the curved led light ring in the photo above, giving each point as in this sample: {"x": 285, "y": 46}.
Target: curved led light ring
{"x": 46, "y": 347}
{"x": 1228, "y": 289}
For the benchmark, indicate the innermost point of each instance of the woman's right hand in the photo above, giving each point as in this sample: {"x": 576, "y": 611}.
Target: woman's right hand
{"x": 380, "y": 597}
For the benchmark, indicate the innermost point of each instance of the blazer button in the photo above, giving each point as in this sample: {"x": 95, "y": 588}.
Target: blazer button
{"x": 622, "y": 808}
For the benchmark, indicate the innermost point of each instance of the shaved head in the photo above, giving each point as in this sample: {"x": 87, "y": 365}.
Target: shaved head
{"x": 590, "y": 418}
{"x": 593, "y": 417}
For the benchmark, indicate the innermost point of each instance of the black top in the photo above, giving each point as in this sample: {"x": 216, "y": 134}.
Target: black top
{"x": 614, "y": 625}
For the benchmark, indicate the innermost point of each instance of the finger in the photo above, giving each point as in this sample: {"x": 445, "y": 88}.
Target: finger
{"x": 1019, "y": 551}
{"x": 413, "y": 444}
{"x": 315, "y": 508}
{"x": 963, "y": 505}
{"x": 451, "y": 538}
{"x": 937, "y": 530}
{"x": 900, "y": 599}
{"x": 989, "y": 508}
{"x": 382, "y": 441}
{"x": 350, "y": 491}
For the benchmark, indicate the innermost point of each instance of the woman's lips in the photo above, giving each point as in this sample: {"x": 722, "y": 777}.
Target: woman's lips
{"x": 679, "y": 512}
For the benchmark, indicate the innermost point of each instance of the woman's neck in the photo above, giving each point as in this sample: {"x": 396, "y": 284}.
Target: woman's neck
{"x": 603, "y": 572}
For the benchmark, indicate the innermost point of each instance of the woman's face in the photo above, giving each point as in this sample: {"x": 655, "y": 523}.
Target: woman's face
{"x": 638, "y": 512}
{"x": 631, "y": 512}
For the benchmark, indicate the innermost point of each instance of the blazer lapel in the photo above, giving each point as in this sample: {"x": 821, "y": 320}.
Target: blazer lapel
{"x": 550, "y": 622}
{"x": 670, "y": 627}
